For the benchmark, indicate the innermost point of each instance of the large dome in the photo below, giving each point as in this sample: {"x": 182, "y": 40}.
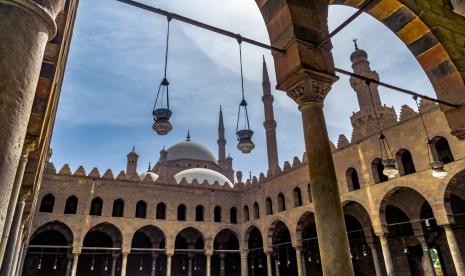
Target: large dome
{"x": 202, "y": 174}
{"x": 190, "y": 150}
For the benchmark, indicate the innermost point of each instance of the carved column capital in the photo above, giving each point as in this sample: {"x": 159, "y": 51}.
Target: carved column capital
{"x": 312, "y": 87}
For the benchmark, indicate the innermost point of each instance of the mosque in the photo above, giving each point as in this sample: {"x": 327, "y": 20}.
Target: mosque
{"x": 192, "y": 215}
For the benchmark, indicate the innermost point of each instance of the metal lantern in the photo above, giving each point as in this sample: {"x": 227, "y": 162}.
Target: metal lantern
{"x": 161, "y": 109}
{"x": 390, "y": 169}
{"x": 244, "y": 134}
{"x": 438, "y": 170}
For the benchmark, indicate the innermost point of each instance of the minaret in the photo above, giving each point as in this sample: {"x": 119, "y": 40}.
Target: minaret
{"x": 131, "y": 168}
{"x": 269, "y": 123}
{"x": 221, "y": 140}
{"x": 364, "y": 121}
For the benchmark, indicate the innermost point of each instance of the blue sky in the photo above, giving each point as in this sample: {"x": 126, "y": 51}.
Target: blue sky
{"x": 116, "y": 64}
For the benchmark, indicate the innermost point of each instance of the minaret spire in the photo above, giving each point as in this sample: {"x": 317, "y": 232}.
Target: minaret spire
{"x": 188, "y": 137}
{"x": 221, "y": 140}
{"x": 269, "y": 123}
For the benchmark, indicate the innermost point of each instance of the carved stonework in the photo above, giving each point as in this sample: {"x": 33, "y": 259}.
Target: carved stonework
{"x": 309, "y": 90}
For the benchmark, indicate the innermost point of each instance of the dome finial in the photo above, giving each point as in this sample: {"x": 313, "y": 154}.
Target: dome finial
{"x": 188, "y": 138}
{"x": 355, "y": 44}
{"x": 150, "y": 167}
{"x": 133, "y": 148}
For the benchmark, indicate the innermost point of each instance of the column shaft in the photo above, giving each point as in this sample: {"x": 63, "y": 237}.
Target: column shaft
{"x": 428, "y": 263}
{"x": 269, "y": 268}
{"x": 376, "y": 263}
{"x": 209, "y": 262}
{"x": 189, "y": 266}
{"x": 244, "y": 265}
{"x": 222, "y": 265}
{"x": 23, "y": 37}
{"x": 22, "y": 257}
{"x": 329, "y": 217}
{"x": 276, "y": 267}
{"x": 387, "y": 255}
{"x": 154, "y": 266}
{"x": 124, "y": 264}
{"x": 168, "y": 264}
{"x": 454, "y": 250}
{"x": 69, "y": 265}
{"x": 113, "y": 265}
{"x": 19, "y": 245}
{"x": 11, "y": 214}
{"x": 298, "y": 256}
{"x": 7, "y": 266}
{"x": 75, "y": 264}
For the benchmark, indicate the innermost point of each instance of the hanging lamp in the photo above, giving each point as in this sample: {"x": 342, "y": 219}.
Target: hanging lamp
{"x": 244, "y": 134}
{"x": 436, "y": 165}
{"x": 390, "y": 168}
{"x": 161, "y": 109}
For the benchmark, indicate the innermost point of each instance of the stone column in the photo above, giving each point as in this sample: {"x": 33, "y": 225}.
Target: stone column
{"x": 7, "y": 266}
{"x": 298, "y": 257}
{"x": 276, "y": 266}
{"x": 11, "y": 215}
{"x": 168, "y": 263}
{"x": 454, "y": 250}
{"x": 309, "y": 93}
{"x": 124, "y": 263}
{"x": 25, "y": 28}
{"x": 269, "y": 269}
{"x": 374, "y": 253}
{"x": 69, "y": 265}
{"x": 208, "y": 257}
{"x": 428, "y": 263}
{"x": 189, "y": 264}
{"x": 19, "y": 246}
{"x": 114, "y": 260}
{"x": 75, "y": 264}
{"x": 22, "y": 257}
{"x": 244, "y": 265}
{"x": 386, "y": 254}
{"x": 154, "y": 265}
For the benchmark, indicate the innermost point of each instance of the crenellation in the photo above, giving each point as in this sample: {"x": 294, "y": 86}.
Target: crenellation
{"x": 94, "y": 173}
{"x": 342, "y": 141}
{"x": 406, "y": 112}
{"x": 287, "y": 166}
{"x": 121, "y": 176}
{"x": 296, "y": 162}
{"x": 108, "y": 174}
{"x": 65, "y": 170}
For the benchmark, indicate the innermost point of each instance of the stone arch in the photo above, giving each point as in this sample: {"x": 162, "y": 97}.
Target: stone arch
{"x": 47, "y": 203}
{"x": 71, "y": 205}
{"x": 56, "y": 226}
{"x": 405, "y": 162}
{"x": 154, "y": 234}
{"x": 248, "y": 232}
{"x": 455, "y": 187}
{"x": 297, "y": 26}
{"x": 360, "y": 212}
{"x": 272, "y": 225}
{"x": 188, "y": 233}
{"x": 232, "y": 235}
{"x": 108, "y": 229}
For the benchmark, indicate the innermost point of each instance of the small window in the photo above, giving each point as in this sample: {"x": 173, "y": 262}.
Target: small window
{"x": 405, "y": 162}
{"x": 256, "y": 211}
{"x": 352, "y": 180}
{"x": 199, "y": 213}
{"x": 297, "y": 197}
{"x": 96, "y": 207}
{"x": 47, "y": 203}
{"x": 281, "y": 202}
{"x": 118, "y": 208}
{"x": 441, "y": 150}
{"x": 182, "y": 212}
{"x": 141, "y": 209}
{"x": 246, "y": 213}
{"x": 161, "y": 211}
{"x": 71, "y": 205}
{"x": 217, "y": 214}
{"x": 233, "y": 215}
{"x": 269, "y": 206}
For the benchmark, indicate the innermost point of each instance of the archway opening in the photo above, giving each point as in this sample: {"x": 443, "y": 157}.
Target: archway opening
{"x": 49, "y": 251}
{"x": 256, "y": 258}
{"x": 147, "y": 255}
{"x": 226, "y": 255}
{"x": 306, "y": 233}
{"x": 284, "y": 258}
{"x": 189, "y": 253}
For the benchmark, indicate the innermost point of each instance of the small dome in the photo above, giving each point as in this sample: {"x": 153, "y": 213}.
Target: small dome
{"x": 358, "y": 54}
{"x": 153, "y": 175}
{"x": 190, "y": 150}
{"x": 202, "y": 174}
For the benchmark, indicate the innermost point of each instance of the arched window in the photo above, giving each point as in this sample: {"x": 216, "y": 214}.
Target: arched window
{"x": 281, "y": 202}
{"x": 441, "y": 150}
{"x": 353, "y": 183}
{"x": 297, "y": 197}
{"x": 141, "y": 209}
{"x": 246, "y": 213}
{"x": 161, "y": 211}
{"x": 118, "y": 208}
{"x": 217, "y": 214}
{"x": 199, "y": 213}
{"x": 256, "y": 211}
{"x": 71, "y": 205}
{"x": 233, "y": 215}
{"x": 182, "y": 212}
{"x": 46, "y": 205}
{"x": 309, "y": 193}
{"x": 377, "y": 168}
{"x": 269, "y": 206}
{"x": 96, "y": 207}
{"x": 405, "y": 162}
